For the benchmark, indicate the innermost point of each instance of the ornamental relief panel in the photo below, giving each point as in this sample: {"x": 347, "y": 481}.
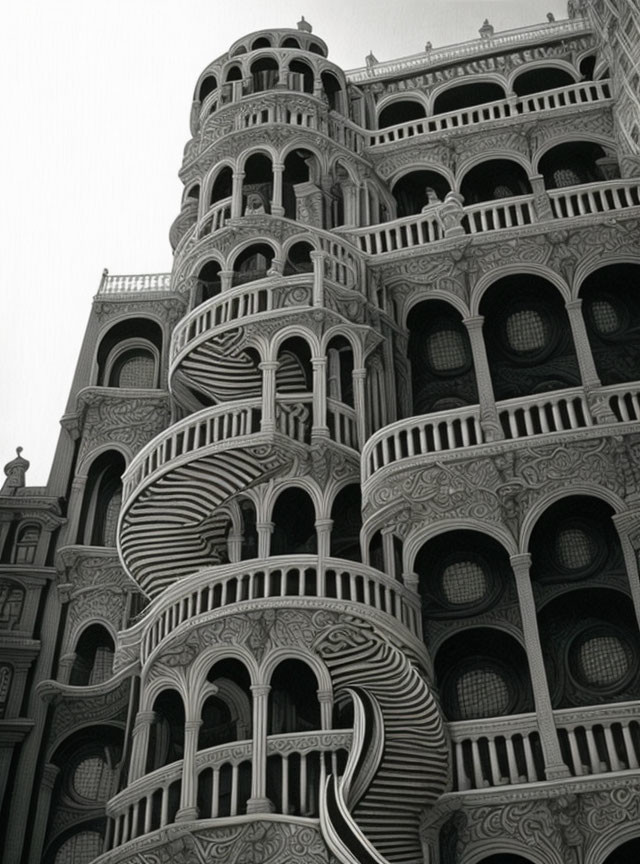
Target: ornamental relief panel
{"x": 254, "y": 843}
{"x": 74, "y": 710}
{"x": 111, "y": 419}
{"x": 170, "y": 310}
{"x": 502, "y": 486}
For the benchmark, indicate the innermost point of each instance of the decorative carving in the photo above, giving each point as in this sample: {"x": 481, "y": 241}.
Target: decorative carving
{"x": 114, "y": 418}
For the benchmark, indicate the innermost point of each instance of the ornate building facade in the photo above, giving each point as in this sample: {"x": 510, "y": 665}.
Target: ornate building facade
{"x": 337, "y": 561}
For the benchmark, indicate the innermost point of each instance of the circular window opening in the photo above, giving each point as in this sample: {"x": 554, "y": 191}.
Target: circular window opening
{"x": 482, "y": 692}
{"x": 446, "y": 351}
{"x": 606, "y": 317}
{"x": 463, "y": 583}
{"x": 527, "y": 331}
{"x": 575, "y": 549}
{"x": 601, "y": 660}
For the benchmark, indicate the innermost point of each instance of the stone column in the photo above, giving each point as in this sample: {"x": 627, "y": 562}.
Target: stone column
{"x": 264, "y": 531}
{"x": 236, "y": 194}
{"x": 323, "y": 533}
{"x": 320, "y": 430}
{"x": 628, "y": 528}
{"x": 75, "y": 506}
{"x": 555, "y": 767}
{"x": 188, "y": 793}
{"x": 276, "y": 199}
{"x": 140, "y": 744}
{"x": 259, "y": 803}
{"x": 588, "y": 373}
{"x": 488, "y": 411}
{"x": 387, "y": 551}
{"x": 325, "y": 698}
{"x": 226, "y": 280}
{"x": 65, "y": 665}
{"x": 359, "y": 402}
{"x": 541, "y": 198}
{"x": 318, "y": 277}
{"x": 47, "y": 782}
{"x": 268, "y": 420}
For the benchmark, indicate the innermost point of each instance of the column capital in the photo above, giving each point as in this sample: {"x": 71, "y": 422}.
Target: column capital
{"x": 318, "y": 362}
{"x": 359, "y": 374}
{"x": 574, "y": 305}
{"x": 521, "y": 563}
{"x": 268, "y": 365}
{"x": 277, "y": 166}
{"x": 317, "y": 255}
{"x": 324, "y": 695}
{"x": 411, "y": 581}
{"x": 474, "y": 322}
{"x": 323, "y": 523}
{"x": 260, "y": 689}
{"x": 192, "y": 725}
{"x": 49, "y": 775}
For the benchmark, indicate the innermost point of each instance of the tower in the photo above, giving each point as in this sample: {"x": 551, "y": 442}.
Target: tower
{"x": 337, "y": 560}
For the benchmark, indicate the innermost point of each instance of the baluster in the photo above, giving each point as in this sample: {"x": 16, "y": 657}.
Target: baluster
{"x": 462, "y": 780}
{"x": 303, "y": 783}
{"x": 234, "y": 791}
{"x": 571, "y": 411}
{"x": 285, "y": 784}
{"x": 594, "y": 756}
{"x": 632, "y": 759}
{"x": 477, "y": 765}
{"x": 611, "y": 750}
{"x": 528, "y": 422}
{"x": 496, "y": 774}
{"x": 164, "y": 808}
{"x": 147, "y": 813}
{"x": 511, "y": 760}
{"x": 622, "y": 408}
{"x": 424, "y": 448}
{"x": 134, "y": 821}
{"x": 215, "y": 793}
{"x": 532, "y": 774}
{"x": 116, "y": 831}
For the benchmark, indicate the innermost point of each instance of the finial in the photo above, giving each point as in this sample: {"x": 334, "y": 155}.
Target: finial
{"x": 304, "y": 25}
{"x": 428, "y": 47}
{"x": 487, "y": 30}
{"x": 15, "y": 471}
{"x": 551, "y": 17}
{"x": 371, "y": 59}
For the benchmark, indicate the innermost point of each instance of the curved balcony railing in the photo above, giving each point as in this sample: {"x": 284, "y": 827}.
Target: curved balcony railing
{"x": 558, "y": 411}
{"x": 584, "y": 200}
{"x": 600, "y": 740}
{"x": 223, "y": 775}
{"x": 299, "y": 576}
{"x": 581, "y": 94}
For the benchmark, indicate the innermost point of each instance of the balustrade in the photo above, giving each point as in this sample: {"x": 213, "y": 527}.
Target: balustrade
{"x": 147, "y": 805}
{"x": 495, "y": 215}
{"x": 304, "y": 576}
{"x": 600, "y": 740}
{"x": 583, "y": 93}
{"x": 589, "y": 198}
{"x": 342, "y": 421}
{"x": 496, "y": 752}
{"x": 539, "y": 415}
{"x": 294, "y": 414}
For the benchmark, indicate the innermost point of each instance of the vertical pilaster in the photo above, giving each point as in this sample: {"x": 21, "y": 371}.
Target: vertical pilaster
{"x": 320, "y": 429}
{"x": 488, "y": 411}
{"x": 588, "y": 373}
{"x": 268, "y": 369}
{"x": 277, "y": 208}
{"x": 140, "y": 745}
{"x": 236, "y": 194}
{"x": 188, "y": 792}
{"x": 359, "y": 401}
{"x": 259, "y": 803}
{"x": 47, "y": 782}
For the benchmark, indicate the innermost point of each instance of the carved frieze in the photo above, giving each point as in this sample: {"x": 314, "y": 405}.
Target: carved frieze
{"x": 114, "y": 418}
{"x": 169, "y": 309}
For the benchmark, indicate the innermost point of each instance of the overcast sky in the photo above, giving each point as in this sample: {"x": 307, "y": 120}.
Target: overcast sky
{"x": 95, "y": 101}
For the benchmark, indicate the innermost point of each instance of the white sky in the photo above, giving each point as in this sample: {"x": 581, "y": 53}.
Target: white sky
{"x": 95, "y": 104}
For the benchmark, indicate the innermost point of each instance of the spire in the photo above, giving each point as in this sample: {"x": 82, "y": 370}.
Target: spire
{"x": 304, "y": 25}
{"x": 487, "y": 30}
{"x": 15, "y": 471}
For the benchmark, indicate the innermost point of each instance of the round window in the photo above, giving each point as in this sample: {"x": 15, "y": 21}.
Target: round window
{"x": 482, "y": 692}
{"x": 575, "y": 549}
{"x": 601, "y": 659}
{"x": 463, "y": 583}
{"x": 446, "y": 350}
{"x": 606, "y": 319}
{"x": 527, "y": 331}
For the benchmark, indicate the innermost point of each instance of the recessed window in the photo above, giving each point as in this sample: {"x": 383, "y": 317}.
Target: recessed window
{"x": 92, "y": 779}
{"x": 446, "y": 350}
{"x": 575, "y": 549}
{"x": 482, "y": 692}
{"x": 463, "y": 583}
{"x": 601, "y": 660}
{"x": 605, "y": 317}
{"x": 527, "y": 331}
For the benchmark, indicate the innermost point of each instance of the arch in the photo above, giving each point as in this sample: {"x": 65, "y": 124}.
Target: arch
{"x": 539, "y": 76}
{"x": 294, "y": 374}
{"x": 492, "y": 179}
{"x": 166, "y": 737}
{"x": 252, "y": 262}
{"x": 340, "y": 366}
{"x": 397, "y": 111}
{"x": 25, "y": 546}
{"x": 618, "y": 846}
{"x": 333, "y": 90}
{"x": 121, "y": 344}
{"x": 346, "y": 514}
{"x": 301, "y": 76}
{"x": 416, "y": 191}
{"x": 298, "y": 258}
{"x": 419, "y": 537}
{"x": 290, "y": 42}
{"x": 293, "y": 700}
{"x": 485, "y": 282}
{"x": 233, "y": 73}
{"x": 293, "y": 517}
{"x": 226, "y": 709}
{"x": 260, "y": 42}
{"x": 208, "y": 84}
{"x": 467, "y": 94}
{"x": 612, "y": 319}
{"x": 299, "y": 179}
{"x": 564, "y": 162}
{"x": 257, "y": 184}
{"x": 528, "y": 337}
{"x": 208, "y": 283}
{"x": 264, "y": 73}
{"x": 102, "y": 500}
{"x": 482, "y": 672}
{"x": 94, "y": 650}
{"x": 442, "y": 372}
{"x": 220, "y": 183}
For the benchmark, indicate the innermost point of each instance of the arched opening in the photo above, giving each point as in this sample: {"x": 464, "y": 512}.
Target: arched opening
{"x": 376, "y": 552}
{"x": 209, "y": 84}
{"x": 587, "y": 67}
{"x": 314, "y": 48}
{"x": 494, "y": 180}
{"x": 419, "y": 190}
{"x": 252, "y": 263}
{"x": 264, "y": 74}
{"x": 93, "y": 662}
{"x": 300, "y": 171}
{"x": 467, "y": 95}
{"x": 257, "y": 186}
{"x": 528, "y": 338}
{"x": 249, "y": 547}
{"x": 80, "y": 847}
{"x": 294, "y": 373}
{"x": 300, "y": 76}
{"x": 442, "y": 373}
{"x": 294, "y": 528}
{"x": 402, "y": 111}
{"x": 166, "y": 737}
{"x": 482, "y": 672}
{"x": 571, "y": 164}
{"x": 226, "y": 714}
{"x": 299, "y": 259}
{"x": 102, "y": 501}
{"x": 611, "y": 308}
{"x": 625, "y": 854}
{"x": 208, "y": 283}
{"x": 290, "y": 42}
{"x": 234, "y": 73}
{"x": 193, "y": 193}
{"x": 340, "y": 370}
{"x": 26, "y": 544}
{"x": 293, "y": 699}
{"x": 346, "y": 513}
{"x": 332, "y": 90}
{"x": 541, "y": 79}
{"x": 129, "y": 354}
{"x": 260, "y": 42}
{"x": 462, "y": 574}
{"x": 222, "y": 186}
